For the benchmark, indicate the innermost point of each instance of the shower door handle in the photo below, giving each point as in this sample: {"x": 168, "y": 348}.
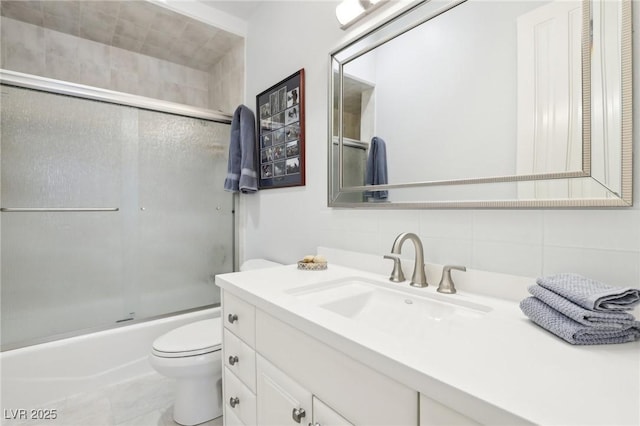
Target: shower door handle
{"x": 58, "y": 209}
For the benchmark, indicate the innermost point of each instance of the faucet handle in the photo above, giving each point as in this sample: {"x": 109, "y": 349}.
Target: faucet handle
{"x": 397, "y": 275}
{"x": 446, "y": 282}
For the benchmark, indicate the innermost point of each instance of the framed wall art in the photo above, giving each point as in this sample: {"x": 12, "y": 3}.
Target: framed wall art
{"x": 281, "y": 133}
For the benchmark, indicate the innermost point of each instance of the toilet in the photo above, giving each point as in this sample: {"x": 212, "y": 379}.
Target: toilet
{"x": 252, "y": 264}
{"x": 192, "y": 354}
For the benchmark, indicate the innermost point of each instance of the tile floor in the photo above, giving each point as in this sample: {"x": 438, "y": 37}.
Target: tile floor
{"x": 143, "y": 401}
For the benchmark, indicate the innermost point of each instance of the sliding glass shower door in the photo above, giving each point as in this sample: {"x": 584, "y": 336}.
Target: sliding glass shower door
{"x": 185, "y": 219}
{"x": 109, "y": 213}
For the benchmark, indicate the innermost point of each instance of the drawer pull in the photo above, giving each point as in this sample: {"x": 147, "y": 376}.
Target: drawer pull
{"x": 315, "y": 424}
{"x": 232, "y": 318}
{"x": 233, "y": 360}
{"x": 298, "y": 414}
{"x": 233, "y": 401}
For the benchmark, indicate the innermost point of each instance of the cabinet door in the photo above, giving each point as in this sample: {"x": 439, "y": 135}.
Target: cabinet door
{"x": 323, "y": 415}
{"x": 230, "y": 418}
{"x": 359, "y": 393}
{"x": 281, "y": 401}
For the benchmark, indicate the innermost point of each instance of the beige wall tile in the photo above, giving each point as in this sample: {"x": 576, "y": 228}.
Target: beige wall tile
{"x": 60, "y": 47}
{"x": 23, "y": 47}
{"x": 126, "y": 60}
{"x": 95, "y": 60}
{"x": 31, "y": 49}
{"x": 21, "y": 11}
{"x": 124, "y": 81}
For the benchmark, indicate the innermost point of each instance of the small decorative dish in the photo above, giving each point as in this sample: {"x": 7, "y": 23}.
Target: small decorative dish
{"x": 313, "y": 263}
{"x": 312, "y": 266}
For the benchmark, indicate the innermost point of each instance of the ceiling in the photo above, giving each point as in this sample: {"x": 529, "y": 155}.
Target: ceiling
{"x": 135, "y": 25}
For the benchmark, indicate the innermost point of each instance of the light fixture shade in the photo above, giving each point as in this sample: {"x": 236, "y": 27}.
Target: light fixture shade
{"x": 348, "y": 10}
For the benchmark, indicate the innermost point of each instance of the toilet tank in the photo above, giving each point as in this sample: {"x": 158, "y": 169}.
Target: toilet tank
{"x": 252, "y": 264}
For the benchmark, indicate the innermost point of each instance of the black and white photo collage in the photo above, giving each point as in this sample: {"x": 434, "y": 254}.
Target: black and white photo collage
{"x": 279, "y": 134}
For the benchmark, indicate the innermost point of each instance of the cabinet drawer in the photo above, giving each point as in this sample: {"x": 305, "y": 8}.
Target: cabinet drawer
{"x": 240, "y": 358}
{"x": 230, "y": 418}
{"x": 244, "y": 407}
{"x": 239, "y": 317}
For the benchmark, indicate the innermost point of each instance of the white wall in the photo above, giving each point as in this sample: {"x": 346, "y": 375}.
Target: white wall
{"x": 285, "y": 224}
{"x": 456, "y": 128}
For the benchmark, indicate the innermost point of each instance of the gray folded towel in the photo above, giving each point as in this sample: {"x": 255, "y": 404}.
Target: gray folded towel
{"x": 591, "y": 294}
{"x": 572, "y": 331}
{"x": 611, "y": 320}
{"x": 241, "y": 167}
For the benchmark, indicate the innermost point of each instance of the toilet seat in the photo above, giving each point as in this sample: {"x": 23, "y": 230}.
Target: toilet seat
{"x": 198, "y": 338}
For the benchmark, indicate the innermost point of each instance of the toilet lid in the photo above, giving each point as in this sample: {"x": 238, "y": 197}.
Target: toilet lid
{"x": 197, "y": 338}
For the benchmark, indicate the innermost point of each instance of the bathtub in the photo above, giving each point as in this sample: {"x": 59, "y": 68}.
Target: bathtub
{"x": 36, "y": 376}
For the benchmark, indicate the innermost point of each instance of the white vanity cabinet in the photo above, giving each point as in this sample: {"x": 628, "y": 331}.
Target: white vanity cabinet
{"x": 279, "y": 369}
{"x": 274, "y": 374}
{"x": 378, "y": 366}
{"x": 239, "y": 358}
{"x": 433, "y": 413}
{"x": 323, "y": 415}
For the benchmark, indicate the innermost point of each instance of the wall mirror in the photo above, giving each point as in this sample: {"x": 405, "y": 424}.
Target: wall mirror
{"x": 482, "y": 103}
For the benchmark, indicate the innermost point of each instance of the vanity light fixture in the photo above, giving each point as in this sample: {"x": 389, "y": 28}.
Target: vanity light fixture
{"x": 350, "y": 11}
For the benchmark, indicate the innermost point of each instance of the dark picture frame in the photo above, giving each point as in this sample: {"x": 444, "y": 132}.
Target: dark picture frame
{"x": 280, "y": 143}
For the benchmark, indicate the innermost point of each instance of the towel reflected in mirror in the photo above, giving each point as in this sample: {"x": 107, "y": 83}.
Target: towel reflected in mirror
{"x": 377, "y": 169}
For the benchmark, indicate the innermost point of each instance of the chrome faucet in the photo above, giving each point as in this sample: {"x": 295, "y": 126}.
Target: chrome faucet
{"x": 397, "y": 276}
{"x": 419, "y": 278}
{"x": 446, "y": 282}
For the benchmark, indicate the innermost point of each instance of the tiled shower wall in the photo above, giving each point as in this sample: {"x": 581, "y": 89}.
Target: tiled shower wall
{"x": 40, "y": 51}
{"x": 226, "y": 82}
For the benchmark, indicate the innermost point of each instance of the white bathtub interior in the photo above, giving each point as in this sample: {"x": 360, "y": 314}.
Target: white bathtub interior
{"x": 41, "y": 375}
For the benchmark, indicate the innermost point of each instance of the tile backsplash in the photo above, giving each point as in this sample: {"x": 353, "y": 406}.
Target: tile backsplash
{"x": 40, "y": 51}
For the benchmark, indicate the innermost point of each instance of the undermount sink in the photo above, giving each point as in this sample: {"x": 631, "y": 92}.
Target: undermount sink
{"x": 401, "y": 310}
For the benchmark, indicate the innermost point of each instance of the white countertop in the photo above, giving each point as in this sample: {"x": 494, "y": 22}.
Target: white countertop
{"x": 502, "y": 361}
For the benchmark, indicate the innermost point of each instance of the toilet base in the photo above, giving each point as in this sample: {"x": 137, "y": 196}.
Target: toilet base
{"x": 197, "y": 400}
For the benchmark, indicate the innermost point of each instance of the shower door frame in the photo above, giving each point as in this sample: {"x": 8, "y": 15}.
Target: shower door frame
{"x": 60, "y": 87}
{"x": 44, "y": 84}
